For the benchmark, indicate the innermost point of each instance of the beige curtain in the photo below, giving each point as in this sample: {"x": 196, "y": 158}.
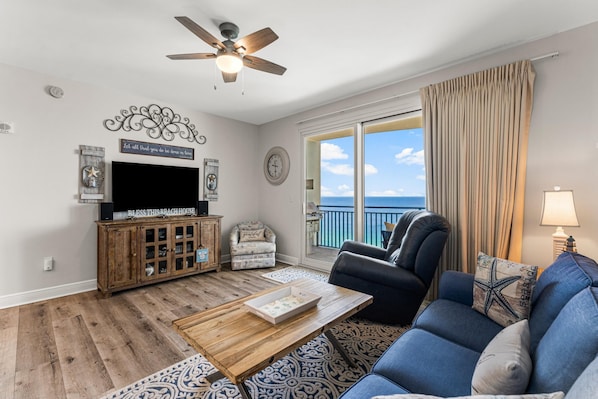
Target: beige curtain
{"x": 476, "y": 135}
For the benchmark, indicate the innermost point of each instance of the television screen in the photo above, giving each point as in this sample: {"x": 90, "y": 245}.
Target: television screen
{"x": 143, "y": 186}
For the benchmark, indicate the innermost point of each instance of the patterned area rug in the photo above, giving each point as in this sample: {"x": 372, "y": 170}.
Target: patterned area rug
{"x": 295, "y": 272}
{"x": 314, "y": 371}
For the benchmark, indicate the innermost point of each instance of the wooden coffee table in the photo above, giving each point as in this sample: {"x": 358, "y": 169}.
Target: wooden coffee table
{"x": 240, "y": 344}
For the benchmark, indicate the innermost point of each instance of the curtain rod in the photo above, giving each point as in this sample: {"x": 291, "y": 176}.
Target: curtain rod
{"x": 554, "y": 54}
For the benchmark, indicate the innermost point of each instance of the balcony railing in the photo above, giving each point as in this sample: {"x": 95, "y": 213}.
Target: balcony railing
{"x": 336, "y": 224}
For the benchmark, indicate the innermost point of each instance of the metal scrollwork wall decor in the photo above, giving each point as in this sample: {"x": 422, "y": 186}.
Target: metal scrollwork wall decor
{"x": 158, "y": 122}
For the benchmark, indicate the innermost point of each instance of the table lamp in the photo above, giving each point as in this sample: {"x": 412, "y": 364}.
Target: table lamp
{"x": 558, "y": 210}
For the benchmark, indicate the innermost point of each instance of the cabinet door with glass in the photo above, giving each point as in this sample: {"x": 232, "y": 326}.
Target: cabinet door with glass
{"x": 155, "y": 248}
{"x": 184, "y": 241}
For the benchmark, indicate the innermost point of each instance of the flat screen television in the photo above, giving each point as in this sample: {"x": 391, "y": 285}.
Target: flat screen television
{"x": 138, "y": 186}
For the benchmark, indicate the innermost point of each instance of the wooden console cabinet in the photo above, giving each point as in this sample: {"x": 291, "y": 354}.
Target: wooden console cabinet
{"x": 132, "y": 253}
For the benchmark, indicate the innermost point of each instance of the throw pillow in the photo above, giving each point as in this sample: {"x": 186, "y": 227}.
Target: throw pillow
{"x": 554, "y": 395}
{"x": 251, "y": 235}
{"x": 505, "y": 365}
{"x": 503, "y": 289}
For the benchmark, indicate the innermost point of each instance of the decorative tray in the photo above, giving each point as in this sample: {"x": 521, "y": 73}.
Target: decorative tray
{"x": 282, "y": 304}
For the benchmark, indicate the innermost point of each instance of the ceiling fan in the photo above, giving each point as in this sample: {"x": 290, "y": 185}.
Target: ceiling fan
{"x": 232, "y": 56}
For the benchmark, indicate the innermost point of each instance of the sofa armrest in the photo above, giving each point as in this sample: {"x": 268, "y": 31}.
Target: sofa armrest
{"x": 234, "y": 236}
{"x": 360, "y": 248}
{"x": 269, "y": 234}
{"x": 456, "y": 286}
{"x": 374, "y": 272}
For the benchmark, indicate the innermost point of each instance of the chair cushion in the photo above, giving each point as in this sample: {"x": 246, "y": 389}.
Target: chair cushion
{"x": 372, "y": 384}
{"x": 446, "y": 318}
{"x": 253, "y": 247}
{"x": 420, "y": 225}
{"x": 503, "y": 289}
{"x": 504, "y": 367}
{"x": 246, "y": 235}
{"x": 552, "y": 291}
{"x": 426, "y": 363}
{"x": 586, "y": 385}
{"x": 398, "y": 232}
{"x": 568, "y": 345}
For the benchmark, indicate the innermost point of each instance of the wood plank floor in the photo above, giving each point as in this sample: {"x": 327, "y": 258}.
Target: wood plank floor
{"x": 83, "y": 345}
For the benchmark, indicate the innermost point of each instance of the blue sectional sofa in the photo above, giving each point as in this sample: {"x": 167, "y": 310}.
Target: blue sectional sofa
{"x": 438, "y": 355}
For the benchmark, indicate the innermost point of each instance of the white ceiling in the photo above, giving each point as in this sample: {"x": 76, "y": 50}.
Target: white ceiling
{"x": 332, "y": 49}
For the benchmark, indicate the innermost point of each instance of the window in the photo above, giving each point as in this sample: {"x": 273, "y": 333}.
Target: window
{"x": 390, "y": 179}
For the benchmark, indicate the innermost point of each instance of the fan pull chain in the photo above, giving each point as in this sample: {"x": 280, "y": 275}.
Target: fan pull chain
{"x": 243, "y": 81}
{"x": 215, "y": 75}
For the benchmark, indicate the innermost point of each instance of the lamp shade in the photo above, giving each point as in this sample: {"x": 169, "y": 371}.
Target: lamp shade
{"x": 229, "y": 62}
{"x": 559, "y": 209}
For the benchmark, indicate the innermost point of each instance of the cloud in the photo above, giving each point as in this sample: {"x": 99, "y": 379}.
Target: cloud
{"x": 344, "y": 169}
{"x": 408, "y": 157}
{"x": 341, "y": 169}
{"x": 344, "y": 187}
{"x": 326, "y": 192}
{"x": 332, "y": 151}
{"x": 370, "y": 169}
{"x": 421, "y": 177}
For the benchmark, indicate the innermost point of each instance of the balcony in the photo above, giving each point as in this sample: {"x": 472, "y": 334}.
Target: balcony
{"x": 336, "y": 226}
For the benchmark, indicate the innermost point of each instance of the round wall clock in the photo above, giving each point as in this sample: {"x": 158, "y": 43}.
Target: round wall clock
{"x": 276, "y": 165}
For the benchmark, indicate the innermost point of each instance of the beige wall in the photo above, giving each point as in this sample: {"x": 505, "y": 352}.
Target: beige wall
{"x": 563, "y": 147}
{"x": 39, "y": 212}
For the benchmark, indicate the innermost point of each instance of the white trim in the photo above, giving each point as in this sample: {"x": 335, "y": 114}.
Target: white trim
{"x": 289, "y": 260}
{"x": 23, "y": 298}
{"x": 398, "y": 104}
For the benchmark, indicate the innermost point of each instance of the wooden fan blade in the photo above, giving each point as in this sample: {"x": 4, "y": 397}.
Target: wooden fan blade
{"x": 200, "y": 32}
{"x": 229, "y": 77}
{"x": 193, "y": 56}
{"x": 262, "y": 65}
{"x": 256, "y": 40}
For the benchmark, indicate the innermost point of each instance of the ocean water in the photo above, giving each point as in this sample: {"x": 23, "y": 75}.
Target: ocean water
{"x": 377, "y": 202}
{"x": 336, "y": 225}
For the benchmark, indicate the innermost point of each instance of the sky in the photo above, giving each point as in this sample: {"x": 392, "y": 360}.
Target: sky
{"x": 394, "y": 165}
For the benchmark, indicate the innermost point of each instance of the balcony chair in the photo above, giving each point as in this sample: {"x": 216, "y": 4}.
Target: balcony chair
{"x": 252, "y": 246}
{"x": 397, "y": 277}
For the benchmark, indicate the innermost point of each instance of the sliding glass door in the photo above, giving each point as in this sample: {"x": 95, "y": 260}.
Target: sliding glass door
{"x": 329, "y": 195}
{"x": 356, "y": 179}
{"x": 394, "y": 174}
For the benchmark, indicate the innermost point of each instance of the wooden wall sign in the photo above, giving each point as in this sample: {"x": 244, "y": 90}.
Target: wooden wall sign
{"x": 158, "y": 150}
{"x": 91, "y": 174}
{"x": 210, "y": 186}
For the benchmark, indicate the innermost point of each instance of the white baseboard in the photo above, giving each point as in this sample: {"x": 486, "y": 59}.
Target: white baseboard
{"x": 23, "y": 298}
{"x": 289, "y": 260}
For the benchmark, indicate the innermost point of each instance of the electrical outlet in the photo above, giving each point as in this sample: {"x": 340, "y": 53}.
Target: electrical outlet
{"x": 48, "y": 263}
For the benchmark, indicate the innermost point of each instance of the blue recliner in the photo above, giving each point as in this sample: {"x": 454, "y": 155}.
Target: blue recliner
{"x": 397, "y": 277}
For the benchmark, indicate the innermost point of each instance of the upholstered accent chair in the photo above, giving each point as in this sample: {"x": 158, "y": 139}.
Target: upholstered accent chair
{"x": 252, "y": 246}
{"x": 399, "y": 276}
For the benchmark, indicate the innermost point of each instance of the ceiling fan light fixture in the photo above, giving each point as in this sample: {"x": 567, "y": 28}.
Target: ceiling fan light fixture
{"x": 229, "y": 62}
